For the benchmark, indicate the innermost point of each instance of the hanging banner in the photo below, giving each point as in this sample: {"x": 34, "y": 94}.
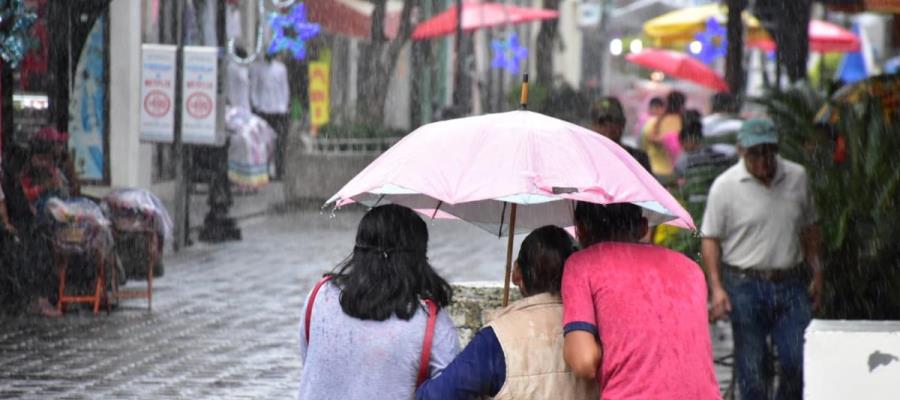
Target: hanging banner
{"x": 87, "y": 108}
{"x": 158, "y": 93}
{"x": 319, "y": 96}
{"x": 199, "y": 107}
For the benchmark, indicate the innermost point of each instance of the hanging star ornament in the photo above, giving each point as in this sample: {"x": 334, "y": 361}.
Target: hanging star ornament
{"x": 508, "y": 54}
{"x": 291, "y": 31}
{"x": 713, "y": 41}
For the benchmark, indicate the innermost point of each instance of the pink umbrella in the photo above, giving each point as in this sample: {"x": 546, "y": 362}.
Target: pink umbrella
{"x": 479, "y": 15}
{"x": 679, "y": 65}
{"x": 499, "y": 171}
{"x": 823, "y": 37}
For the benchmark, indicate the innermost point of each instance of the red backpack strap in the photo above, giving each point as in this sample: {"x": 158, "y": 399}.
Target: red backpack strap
{"x": 312, "y": 300}
{"x": 426, "y": 344}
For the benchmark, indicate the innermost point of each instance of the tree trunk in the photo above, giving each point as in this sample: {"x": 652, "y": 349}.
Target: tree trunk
{"x": 544, "y": 52}
{"x": 734, "y": 61}
{"x": 788, "y": 23}
{"x": 378, "y": 60}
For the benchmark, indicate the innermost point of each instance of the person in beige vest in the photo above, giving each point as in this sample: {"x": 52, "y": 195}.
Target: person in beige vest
{"x": 519, "y": 353}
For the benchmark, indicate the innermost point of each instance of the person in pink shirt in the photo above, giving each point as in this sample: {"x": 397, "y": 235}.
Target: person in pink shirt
{"x": 634, "y": 315}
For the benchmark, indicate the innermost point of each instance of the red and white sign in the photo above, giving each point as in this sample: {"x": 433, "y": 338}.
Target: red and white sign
{"x": 199, "y": 93}
{"x": 157, "y": 93}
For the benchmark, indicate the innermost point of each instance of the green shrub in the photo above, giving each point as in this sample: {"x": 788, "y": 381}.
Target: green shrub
{"x": 857, "y": 199}
{"x": 359, "y": 131}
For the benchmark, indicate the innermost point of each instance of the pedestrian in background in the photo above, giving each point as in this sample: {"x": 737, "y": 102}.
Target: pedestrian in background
{"x": 270, "y": 97}
{"x": 238, "y": 81}
{"x": 366, "y": 325}
{"x": 759, "y": 226}
{"x": 659, "y": 138}
{"x": 608, "y": 119}
{"x": 695, "y": 154}
{"x": 635, "y": 315}
{"x": 655, "y": 108}
{"x": 519, "y": 353}
{"x": 723, "y": 122}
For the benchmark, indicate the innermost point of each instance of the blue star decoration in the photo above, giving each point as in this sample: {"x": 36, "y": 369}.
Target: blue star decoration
{"x": 291, "y": 31}
{"x": 15, "y": 22}
{"x": 713, "y": 41}
{"x": 508, "y": 54}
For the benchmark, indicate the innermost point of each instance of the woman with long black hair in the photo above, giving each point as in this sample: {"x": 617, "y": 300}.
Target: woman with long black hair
{"x": 376, "y": 328}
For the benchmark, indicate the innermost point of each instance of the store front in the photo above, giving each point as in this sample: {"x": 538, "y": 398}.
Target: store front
{"x": 62, "y": 82}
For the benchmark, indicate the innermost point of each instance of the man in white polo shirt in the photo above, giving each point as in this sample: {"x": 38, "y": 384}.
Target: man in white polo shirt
{"x": 760, "y": 235}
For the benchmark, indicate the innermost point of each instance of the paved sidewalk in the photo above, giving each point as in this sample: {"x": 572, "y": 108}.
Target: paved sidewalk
{"x": 224, "y": 320}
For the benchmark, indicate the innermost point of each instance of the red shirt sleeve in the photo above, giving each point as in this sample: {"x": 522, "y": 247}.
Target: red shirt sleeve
{"x": 32, "y": 191}
{"x": 577, "y": 296}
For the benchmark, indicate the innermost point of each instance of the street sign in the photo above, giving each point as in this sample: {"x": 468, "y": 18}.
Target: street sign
{"x": 589, "y": 14}
{"x": 319, "y": 99}
{"x": 199, "y": 109}
{"x": 157, "y": 93}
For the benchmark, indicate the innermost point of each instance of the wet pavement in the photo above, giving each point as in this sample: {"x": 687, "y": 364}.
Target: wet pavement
{"x": 224, "y": 319}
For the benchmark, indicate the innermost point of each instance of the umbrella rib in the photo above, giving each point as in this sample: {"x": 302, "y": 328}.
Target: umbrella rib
{"x": 377, "y": 202}
{"x": 502, "y": 218}
{"x": 436, "y": 208}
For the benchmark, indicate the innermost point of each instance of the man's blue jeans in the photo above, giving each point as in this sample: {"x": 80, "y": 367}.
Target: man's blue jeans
{"x": 759, "y": 309}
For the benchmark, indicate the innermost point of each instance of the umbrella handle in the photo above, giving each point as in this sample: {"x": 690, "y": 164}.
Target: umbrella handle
{"x": 523, "y": 97}
{"x": 509, "y": 246}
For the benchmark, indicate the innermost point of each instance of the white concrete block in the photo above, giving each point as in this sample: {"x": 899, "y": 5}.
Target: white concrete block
{"x": 852, "y": 360}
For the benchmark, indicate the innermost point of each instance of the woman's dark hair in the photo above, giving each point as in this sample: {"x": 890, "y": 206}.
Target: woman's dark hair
{"x": 675, "y": 102}
{"x": 691, "y": 126}
{"x": 657, "y": 101}
{"x": 388, "y": 272}
{"x": 598, "y": 223}
{"x": 541, "y": 258}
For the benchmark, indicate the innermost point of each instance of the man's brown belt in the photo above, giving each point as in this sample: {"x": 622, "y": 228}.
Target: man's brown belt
{"x": 774, "y": 275}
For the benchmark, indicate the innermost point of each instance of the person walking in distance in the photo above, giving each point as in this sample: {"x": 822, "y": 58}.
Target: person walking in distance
{"x": 270, "y": 98}
{"x": 608, "y": 119}
{"x": 759, "y": 229}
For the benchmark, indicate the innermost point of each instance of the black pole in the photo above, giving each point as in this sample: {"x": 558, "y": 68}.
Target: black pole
{"x": 734, "y": 62}
{"x": 6, "y": 110}
{"x": 181, "y": 225}
{"x": 217, "y": 225}
{"x": 458, "y": 61}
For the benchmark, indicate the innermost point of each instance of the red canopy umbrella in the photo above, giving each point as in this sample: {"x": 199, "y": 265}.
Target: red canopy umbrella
{"x": 823, "y": 37}
{"x": 477, "y": 16}
{"x": 679, "y": 65}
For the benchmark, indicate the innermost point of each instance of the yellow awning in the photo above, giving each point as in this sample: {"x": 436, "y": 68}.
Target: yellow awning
{"x": 678, "y": 27}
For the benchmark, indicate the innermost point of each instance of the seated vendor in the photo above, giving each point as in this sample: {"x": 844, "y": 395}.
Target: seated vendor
{"x": 39, "y": 180}
{"x": 41, "y": 177}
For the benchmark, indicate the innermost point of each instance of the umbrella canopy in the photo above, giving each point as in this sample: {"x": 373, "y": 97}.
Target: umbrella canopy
{"x": 679, "y": 65}
{"x": 824, "y": 37}
{"x": 475, "y": 168}
{"x": 884, "y": 88}
{"x": 477, "y": 16}
{"x": 352, "y": 17}
{"x": 678, "y": 27}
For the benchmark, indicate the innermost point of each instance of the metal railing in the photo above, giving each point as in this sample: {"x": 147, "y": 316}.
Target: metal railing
{"x": 320, "y": 145}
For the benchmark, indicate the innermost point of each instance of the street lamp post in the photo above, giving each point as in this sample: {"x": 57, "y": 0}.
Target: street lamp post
{"x": 217, "y": 225}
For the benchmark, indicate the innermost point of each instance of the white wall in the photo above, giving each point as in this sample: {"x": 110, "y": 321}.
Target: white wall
{"x": 852, "y": 360}
{"x": 130, "y": 161}
{"x": 396, "y": 107}
{"x": 567, "y": 61}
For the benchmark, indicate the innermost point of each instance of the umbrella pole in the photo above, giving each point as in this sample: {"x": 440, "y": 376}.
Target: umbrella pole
{"x": 509, "y": 251}
{"x": 523, "y": 100}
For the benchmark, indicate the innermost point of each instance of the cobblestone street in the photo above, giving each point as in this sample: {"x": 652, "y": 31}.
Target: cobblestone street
{"x": 224, "y": 320}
